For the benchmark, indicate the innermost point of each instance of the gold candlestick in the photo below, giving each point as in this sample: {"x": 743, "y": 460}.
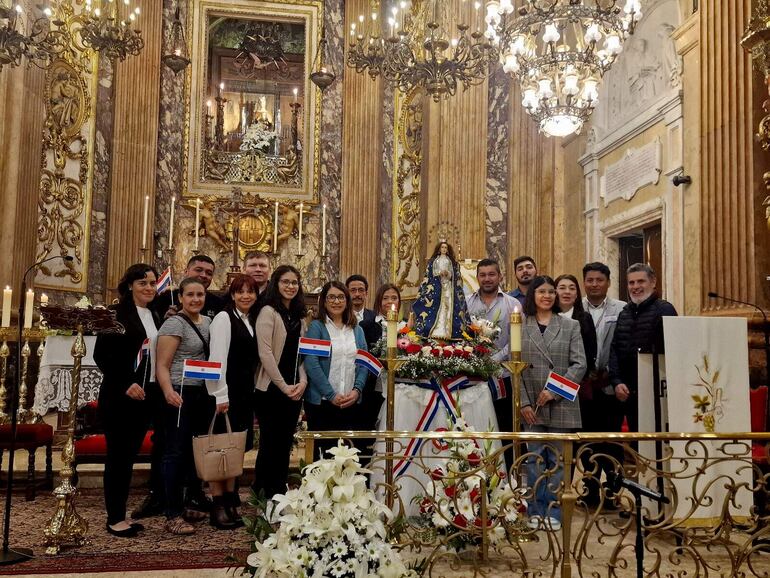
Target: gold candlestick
{"x": 6, "y": 333}
{"x": 66, "y": 526}
{"x": 30, "y": 335}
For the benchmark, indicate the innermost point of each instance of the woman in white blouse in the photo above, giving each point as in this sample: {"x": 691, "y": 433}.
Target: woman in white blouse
{"x": 234, "y": 344}
{"x": 335, "y": 383}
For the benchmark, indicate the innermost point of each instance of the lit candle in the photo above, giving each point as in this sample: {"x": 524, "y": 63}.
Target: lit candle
{"x": 392, "y": 326}
{"x": 275, "y": 230}
{"x": 323, "y": 231}
{"x": 299, "y": 244}
{"x": 144, "y": 221}
{"x": 7, "y": 295}
{"x": 198, "y": 220}
{"x": 43, "y": 300}
{"x": 171, "y": 224}
{"x": 28, "y": 304}
{"x": 221, "y": 88}
{"x": 516, "y": 330}
{"x": 208, "y": 107}
{"x": 296, "y": 92}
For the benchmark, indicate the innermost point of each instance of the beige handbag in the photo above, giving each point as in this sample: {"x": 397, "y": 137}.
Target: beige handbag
{"x": 219, "y": 457}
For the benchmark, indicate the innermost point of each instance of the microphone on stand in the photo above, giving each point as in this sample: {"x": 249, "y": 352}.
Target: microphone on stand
{"x": 8, "y": 556}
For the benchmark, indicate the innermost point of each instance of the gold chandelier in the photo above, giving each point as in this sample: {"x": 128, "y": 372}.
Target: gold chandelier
{"x": 559, "y": 50}
{"x": 109, "y": 27}
{"x": 417, "y": 48}
{"x": 15, "y": 41}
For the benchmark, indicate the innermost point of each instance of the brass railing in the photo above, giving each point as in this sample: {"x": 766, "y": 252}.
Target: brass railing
{"x": 717, "y": 524}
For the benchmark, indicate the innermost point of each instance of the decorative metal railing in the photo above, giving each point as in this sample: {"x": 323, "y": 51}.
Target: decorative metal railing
{"x": 460, "y": 512}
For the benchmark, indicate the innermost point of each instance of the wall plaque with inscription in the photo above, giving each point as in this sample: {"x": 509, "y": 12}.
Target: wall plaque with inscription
{"x": 638, "y": 168}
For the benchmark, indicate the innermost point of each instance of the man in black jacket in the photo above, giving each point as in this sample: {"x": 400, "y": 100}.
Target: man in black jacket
{"x": 639, "y": 328}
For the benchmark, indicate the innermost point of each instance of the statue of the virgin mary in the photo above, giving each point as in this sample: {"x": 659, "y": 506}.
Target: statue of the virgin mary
{"x": 440, "y": 309}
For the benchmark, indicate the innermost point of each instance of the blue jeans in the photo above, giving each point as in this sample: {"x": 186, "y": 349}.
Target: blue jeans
{"x": 545, "y": 473}
{"x": 178, "y": 463}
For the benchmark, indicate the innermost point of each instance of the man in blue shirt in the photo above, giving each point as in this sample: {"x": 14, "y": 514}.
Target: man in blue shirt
{"x": 525, "y": 269}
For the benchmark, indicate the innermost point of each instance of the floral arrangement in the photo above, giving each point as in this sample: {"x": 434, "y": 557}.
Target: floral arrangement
{"x": 451, "y": 505}
{"x": 258, "y": 139}
{"x": 708, "y": 407}
{"x": 331, "y": 526}
{"x": 427, "y": 357}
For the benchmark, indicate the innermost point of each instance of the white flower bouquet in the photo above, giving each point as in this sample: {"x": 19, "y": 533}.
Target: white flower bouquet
{"x": 452, "y": 504}
{"x": 331, "y": 526}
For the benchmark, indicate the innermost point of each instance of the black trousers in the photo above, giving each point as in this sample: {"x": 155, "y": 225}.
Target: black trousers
{"x": 125, "y": 423}
{"x": 157, "y": 402}
{"x": 277, "y": 415}
{"x": 504, "y": 413}
{"x": 599, "y": 414}
{"x": 329, "y": 417}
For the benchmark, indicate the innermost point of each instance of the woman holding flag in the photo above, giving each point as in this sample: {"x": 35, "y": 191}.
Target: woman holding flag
{"x": 281, "y": 380}
{"x": 184, "y": 340}
{"x": 129, "y": 397}
{"x": 553, "y": 347}
{"x": 335, "y": 379}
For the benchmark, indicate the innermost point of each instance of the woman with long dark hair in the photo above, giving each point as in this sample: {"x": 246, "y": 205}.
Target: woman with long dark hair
{"x": 281, "y": 380}
{"x": 188, "y": 409}
{"x": 571, "y": 306}
{"x": 549, "y": 343}
{"x": 234, "y": 344}
{"x": 335, "y": 383}
{"x": 129, "y": 396}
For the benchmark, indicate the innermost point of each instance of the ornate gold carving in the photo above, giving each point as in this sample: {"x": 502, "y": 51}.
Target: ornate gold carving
{"x": 67, "y": 153}
{"x": 408, "y": 154}
{"x": 251, "y": 167}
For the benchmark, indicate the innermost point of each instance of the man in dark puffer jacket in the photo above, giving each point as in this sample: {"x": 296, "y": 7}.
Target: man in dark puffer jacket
{"x": 639, "y": 328}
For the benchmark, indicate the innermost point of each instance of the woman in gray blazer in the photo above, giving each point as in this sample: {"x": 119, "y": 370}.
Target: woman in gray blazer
{"x": 549, "y": 343}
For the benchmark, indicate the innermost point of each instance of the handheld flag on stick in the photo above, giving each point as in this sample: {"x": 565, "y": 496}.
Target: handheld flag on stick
{"x": 164, "y": 281}
{"x": 562, "y": 386}
{"x": 369, "y": 362}
{"x": 143, "y": 350}
{"x": 318, "y": 347}
{"x": 193, "y": 369}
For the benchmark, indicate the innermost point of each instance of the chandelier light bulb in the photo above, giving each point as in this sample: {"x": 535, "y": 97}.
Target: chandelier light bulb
{"x": 544, "y": 88}
{"x": 506, "y": 6}
{"x": 551, "y": 34}
{"x": 593, "y": 34}
{"x": 612, "y": 45}
{"x": 590, "y": 90}
{"x": 530, "y": 100}
{"x": 571, "y": 85}
{"x": 511, "y": 64}
{"x": 18, "y": 8}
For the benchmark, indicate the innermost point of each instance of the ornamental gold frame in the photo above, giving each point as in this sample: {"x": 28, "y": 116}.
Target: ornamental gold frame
{"x": 311, "y": 13}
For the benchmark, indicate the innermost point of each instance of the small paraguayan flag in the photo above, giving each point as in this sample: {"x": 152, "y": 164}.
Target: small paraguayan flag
{"x": 164, "y": 281}
{"x": 318, "y": 347}
{"x": 143, "y": 350}
{"x": 497, "y": 387}
{"x": 194, "y": 369}
{"x": 562, "y": 386}
{"x": 368, "y": 361}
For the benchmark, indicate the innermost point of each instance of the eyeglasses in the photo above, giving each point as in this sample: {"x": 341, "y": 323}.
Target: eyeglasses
{"x": 336, "y": 298}
{"x": 289, "y": 283}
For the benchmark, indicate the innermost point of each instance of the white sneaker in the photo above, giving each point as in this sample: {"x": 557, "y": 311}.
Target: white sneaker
{"x": 552, "y": 524}
{"x": 535, "y": 522}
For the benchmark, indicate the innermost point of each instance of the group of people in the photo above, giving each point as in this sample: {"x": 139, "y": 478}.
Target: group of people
{"x": 255, "y": 330}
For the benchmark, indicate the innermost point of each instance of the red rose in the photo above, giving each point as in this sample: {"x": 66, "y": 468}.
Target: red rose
{"x": 502, "y": 474}
{"x": 474, "y": 459}
{"x": 481, "y": 350}
{"x": 522, "y": 508}
{"x": 450, "y": 491}
{"x": 413, "y": 348}
{"x": 426, "y": 506}
{"x": 475, "y": 496}
{"x": 446, "y": 352}
{"x": 477, "y": 522}
{"x": 437, "y": 474}
{"x": 460, "y": 521}
{"x": 436, "y": 352}
{"x": 465, "y": 354}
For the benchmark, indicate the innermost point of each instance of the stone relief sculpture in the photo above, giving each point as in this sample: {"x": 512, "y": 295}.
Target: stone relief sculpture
{"x": 672, "y": 62}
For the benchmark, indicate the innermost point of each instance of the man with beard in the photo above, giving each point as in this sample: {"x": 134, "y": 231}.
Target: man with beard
{"x": 358, "y": 287}
{"x": 525, "y": 269}
{"x": 200, "y": 267}
{"x": 639, "y": 329}
{"x": 491, "y": 303}
{"x": 257, "y": 265}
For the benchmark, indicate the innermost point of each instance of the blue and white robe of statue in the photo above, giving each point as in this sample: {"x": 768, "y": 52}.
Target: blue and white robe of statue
{"x": 440, "y": 309}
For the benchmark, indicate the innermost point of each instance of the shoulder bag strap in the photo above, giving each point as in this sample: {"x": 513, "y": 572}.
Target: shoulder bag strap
{"x": 197, "y": 331}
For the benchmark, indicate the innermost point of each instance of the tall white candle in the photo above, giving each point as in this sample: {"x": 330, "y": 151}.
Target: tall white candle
{"x": 392, "y": 321}
{"x": 515, "y": 336}
{"x": 275, "y": 230}
{"x": 28, "y": 304}
{"x": 43, "y": 300}
{"x": 299, "y": 244}
{"x": 144, "y": 221}
{"x": 323, "y": 231}
{"x": 171, "y": 223}
{"x": 7, "y": 296}
{"x": 198, "y": 221}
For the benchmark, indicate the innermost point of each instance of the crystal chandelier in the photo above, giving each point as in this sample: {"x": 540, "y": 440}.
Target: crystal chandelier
{"x": 419, "y": 48}
{"x": 559, "y": 50}
{"x": 109, "y": 27}
{"x": 14, "y": 42}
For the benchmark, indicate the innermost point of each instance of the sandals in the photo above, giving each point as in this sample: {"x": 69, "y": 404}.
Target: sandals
{"x": 179, "y": 527}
